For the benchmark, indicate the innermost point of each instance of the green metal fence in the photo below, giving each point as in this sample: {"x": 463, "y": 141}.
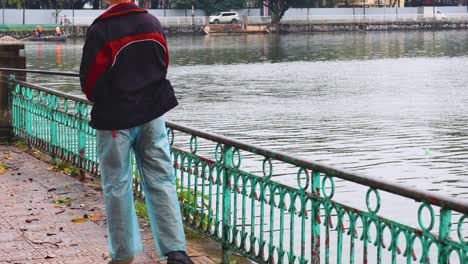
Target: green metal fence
{"x": 265, "y": 205}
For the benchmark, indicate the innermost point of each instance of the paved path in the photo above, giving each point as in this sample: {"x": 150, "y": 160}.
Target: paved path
{"x": 37, "y": 211}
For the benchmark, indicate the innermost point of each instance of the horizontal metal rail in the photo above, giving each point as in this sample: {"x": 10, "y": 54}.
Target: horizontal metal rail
{"x": 59, "y": 73}
{"x": 76, "y": 98}
{"x": 443, "y": 201}
{"x": 418, "y": 195}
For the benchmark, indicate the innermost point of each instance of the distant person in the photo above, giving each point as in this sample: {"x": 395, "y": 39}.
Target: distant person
{"x": 62, "y": 20}
{"x": 66, "y": 21}
{"x": 123, "y": 71}
{"x": 38, "y": 31}
{"x": 58, "y": 32}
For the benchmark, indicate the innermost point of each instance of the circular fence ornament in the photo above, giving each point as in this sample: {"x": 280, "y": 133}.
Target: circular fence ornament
{"x": 83, "y": 109}
{"x": 29, "y": 93}
{"x": 193, "y": 144}
{"x": 170, "y": 135}
{"x": 267, "y": 173}
{"x": 377, "y": 196}
{"x": 431, "y": 211}
{"x": 75, "y": 109}
{"x": 332, "y": 183}
{"x": 299, "y": 181}
{"x": 460, "y": 230}
{"x": 65, "y": 105}
{"x": 236, "y": 158}
{"x": 219, "y": 152}
{"x": 55, "y": 102}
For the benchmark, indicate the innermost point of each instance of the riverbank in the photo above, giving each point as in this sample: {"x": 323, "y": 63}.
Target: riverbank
{"x": 80, "y": 31}
{"x": 343, "y": 26}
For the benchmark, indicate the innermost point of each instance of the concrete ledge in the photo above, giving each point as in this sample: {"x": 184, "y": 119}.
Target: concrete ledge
{"x": 371, "y": 26}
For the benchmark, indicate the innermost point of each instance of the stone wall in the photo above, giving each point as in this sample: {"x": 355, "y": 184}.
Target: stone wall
{"x": 328, "y": 27}
{"x": 80, "y": 31}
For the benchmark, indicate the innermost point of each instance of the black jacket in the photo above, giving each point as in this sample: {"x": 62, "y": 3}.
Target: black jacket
{"x": 123, "y": 69}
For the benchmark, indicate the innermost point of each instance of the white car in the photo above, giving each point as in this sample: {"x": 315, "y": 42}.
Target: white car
{"x": 225, "y": 17}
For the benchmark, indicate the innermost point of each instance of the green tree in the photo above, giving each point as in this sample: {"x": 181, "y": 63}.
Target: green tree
{"x": 16, "y": 3}
{"x": 279, "y": 7}
{"x": 183, "y": 4}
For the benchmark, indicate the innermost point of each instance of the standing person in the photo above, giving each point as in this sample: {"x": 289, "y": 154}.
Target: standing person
{"x": 123, "y": 71}
{"x": 58, "y": 31}
{"x": 39, "y": 31}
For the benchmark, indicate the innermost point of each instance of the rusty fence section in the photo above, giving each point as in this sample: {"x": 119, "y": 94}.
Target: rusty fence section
{"x": 268, "y": 206}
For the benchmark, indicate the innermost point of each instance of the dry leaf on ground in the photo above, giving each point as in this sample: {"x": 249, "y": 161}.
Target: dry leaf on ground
{"x": 95, "y": 217}
{"x": 79, "y": 220}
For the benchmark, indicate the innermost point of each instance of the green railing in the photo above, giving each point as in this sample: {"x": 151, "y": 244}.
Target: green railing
{"x": 268, "y": 206}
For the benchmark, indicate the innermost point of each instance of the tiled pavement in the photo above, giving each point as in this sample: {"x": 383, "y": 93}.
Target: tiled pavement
{"x": 36, "y": 219}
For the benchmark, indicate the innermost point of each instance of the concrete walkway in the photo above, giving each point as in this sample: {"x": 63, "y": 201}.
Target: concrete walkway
{"x": 49, "y": 217}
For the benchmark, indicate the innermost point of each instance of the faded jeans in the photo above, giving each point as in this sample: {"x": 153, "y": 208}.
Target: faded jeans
{"x": 151, "y": 148}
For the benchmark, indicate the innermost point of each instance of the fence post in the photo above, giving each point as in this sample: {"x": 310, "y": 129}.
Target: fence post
{"x": 315, "y": 215}
{"x": 227, "y": 160}
{"x": 244, "y": 22}
{"x": 9, "y": 58}
{"x": 444, "y": 234}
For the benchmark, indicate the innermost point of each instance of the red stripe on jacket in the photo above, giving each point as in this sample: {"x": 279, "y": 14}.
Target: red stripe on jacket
{"x": 108, "y": 54}
{"x": 127, "y": 8}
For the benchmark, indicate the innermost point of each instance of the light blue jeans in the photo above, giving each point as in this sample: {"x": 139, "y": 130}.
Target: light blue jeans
{"x": 151, "y": 148}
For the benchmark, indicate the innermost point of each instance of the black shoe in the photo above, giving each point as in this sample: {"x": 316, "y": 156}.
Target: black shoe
{"x": 123, "y": 261}
{"x": 178, "y": 257}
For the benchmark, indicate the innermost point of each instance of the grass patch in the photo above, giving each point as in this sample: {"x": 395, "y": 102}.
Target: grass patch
{"x": 22, "y": 145}
{"x": 66, "y": 168}
{"x": 142, "y": 212}
{"x": 141, "y": 209}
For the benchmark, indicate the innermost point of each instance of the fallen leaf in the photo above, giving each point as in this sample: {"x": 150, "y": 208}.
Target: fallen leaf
{"x": 51, "y": 189}
{"x": 12, "y": 194}
{"x": 53, "y": 168}
{"x": 49, "y": 256}
{"x": 66, "y": 200}
{"x": 95, "y": 217}
{"x": 2, "y": 170}
{"x": 79, "y": 220}
{"x": 31, "y": 220}
{"x": 66, "y": 186}
{"x": 57, "y": 206}
{"x": 59, "y": 212}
